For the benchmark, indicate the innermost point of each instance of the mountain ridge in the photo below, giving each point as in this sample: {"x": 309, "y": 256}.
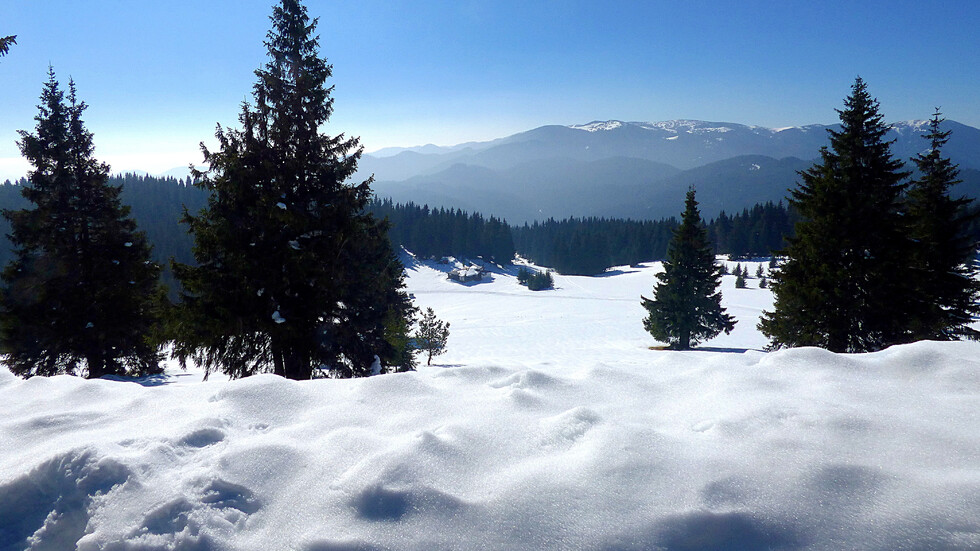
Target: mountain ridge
{"x": 624, "y": 169}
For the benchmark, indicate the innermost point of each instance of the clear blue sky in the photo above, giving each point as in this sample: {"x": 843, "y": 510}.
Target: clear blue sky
{"x": 158, "y": 76}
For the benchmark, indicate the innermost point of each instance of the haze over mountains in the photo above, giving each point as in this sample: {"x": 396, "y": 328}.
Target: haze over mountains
{"x": 629, "y": 169}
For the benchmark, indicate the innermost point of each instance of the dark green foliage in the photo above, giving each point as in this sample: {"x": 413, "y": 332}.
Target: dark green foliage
{"x": 293, "y": 276}
{"x": 759, "y": 272}
{"x": 723, "y": 269}
{"x": 763, "y": 282}
{"x": 157, "y": 207}
{"x": 944, "y": 263}
{"x": 740, "y": 281}
{"x": 432, "y": 335}
{"x": 841, "y": 285}
{"x": 81, "y": 289}
{"x": 588, "y": 246}
{"x": 5, "y": 43}
{"x": 686, "y": 306}
{"x": 535, "y": 280}
{"x": 754, "y": 232}
{"x": 446, "y": 232}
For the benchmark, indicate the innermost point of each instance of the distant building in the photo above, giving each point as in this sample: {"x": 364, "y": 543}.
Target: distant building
{"x": 465, "y": 275}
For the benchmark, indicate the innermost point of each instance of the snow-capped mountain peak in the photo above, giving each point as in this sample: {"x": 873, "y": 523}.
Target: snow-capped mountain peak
{"x": 597, "y": 126}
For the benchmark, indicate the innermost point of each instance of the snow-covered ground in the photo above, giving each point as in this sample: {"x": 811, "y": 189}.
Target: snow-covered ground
{"x": 549, "y": 424}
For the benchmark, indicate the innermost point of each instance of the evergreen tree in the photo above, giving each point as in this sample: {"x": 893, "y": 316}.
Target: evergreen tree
{"x": 763, "y": 282}
{"x": 840, "y": 286}
{"x": 293, "y": 275}
{"x": 81, "y": 289}
{"x": 432, "y": 335}
{"x": 759, "y": 272}
{"x": 686, "y": 308}
{"x": 945, "y": 254}
{"x": 740, "y": 281}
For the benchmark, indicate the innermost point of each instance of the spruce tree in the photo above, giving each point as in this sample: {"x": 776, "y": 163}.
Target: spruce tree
{"x": 841, "y": 285}
{"x": 686, "y": 306}
{"x": 944, "y": 263}
{"x": 432, "y": 335}
{"x": 293, "y": 275}
{"x": 81, "y": 295}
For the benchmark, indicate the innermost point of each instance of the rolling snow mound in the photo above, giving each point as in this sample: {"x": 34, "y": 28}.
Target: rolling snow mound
{"x": 550, "y": 424}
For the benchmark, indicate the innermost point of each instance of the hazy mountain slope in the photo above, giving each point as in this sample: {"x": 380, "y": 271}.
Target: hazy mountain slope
{"x": 615, "y": 168}
{"x": 730, "y": 185}
{"x": 557, "y": 187}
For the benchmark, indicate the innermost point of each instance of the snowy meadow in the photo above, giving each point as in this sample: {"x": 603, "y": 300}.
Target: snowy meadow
{"x": 552, "y": 422}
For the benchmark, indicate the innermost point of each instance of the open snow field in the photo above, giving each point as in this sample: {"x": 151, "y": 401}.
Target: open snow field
{"x": 549, "y": 424}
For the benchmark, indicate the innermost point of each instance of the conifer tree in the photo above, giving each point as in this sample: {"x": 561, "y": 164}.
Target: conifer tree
{"x": 293, "y": 275}
{"x": 840, "y": 286}
{"x": 944, "y": 263}
{"x": 82, "y": 295}
{"x": 740, "y": 281}
{"x": 686, "y": 306}
{"x": 432, "y": 335}
{"x": 759, "y": 272}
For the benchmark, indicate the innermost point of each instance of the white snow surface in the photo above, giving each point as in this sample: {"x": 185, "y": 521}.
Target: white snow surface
{"x": 550, "y": 423}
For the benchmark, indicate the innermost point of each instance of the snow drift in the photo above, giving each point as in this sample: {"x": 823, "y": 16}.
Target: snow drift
{"x": 550, "y": 424}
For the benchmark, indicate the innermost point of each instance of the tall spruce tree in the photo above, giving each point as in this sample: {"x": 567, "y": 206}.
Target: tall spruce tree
{"x": 944, "y": 263}
{"x": 81, "y": 294}
{"x": 841, "y": 286}
{"x": 686, "y": 306}
{"x": 293, "y": 276}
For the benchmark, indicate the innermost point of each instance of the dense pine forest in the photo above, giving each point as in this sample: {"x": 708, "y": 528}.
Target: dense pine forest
{"x": 156, "y": 203}
{"x": 583, "y": 246}
{"x": 438, "y": 232}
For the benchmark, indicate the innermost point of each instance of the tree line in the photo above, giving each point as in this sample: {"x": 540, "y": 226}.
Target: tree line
{"x": 572, "y": 246}
{"x": 444, "y": 232}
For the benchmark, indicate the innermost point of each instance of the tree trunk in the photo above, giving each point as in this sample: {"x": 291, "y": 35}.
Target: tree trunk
{"x": 277, "y": 361}
{"x": 96, "y": 366}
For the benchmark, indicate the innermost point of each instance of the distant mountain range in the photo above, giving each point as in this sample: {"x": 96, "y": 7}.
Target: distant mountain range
{"x": 629, "y": 169}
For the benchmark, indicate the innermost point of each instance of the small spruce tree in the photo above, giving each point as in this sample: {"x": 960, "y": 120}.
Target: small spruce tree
{"x": 759, "y": 272}
{"x": 686, "y": 306}
{"x": 740, "y": 281}
{"x": 432, "y": 335}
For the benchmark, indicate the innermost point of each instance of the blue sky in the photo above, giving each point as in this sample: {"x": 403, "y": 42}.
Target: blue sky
{"x": 158, "y": 76}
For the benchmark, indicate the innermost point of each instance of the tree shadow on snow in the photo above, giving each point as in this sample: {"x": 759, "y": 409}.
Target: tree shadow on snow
{"x": 611, "y": 273}
{"x": 708, "y": 531}
{"x": 148, "y": 381}
{"x": 721, "y": 349}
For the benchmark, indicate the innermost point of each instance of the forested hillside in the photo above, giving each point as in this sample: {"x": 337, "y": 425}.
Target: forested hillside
{"x": 157, "y": 205}
{"x": 584, "y": 246}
